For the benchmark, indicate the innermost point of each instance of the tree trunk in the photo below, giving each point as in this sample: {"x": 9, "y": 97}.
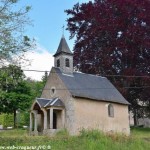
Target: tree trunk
{"x": 135, "y": 118}
{"x": 14, "y": 118}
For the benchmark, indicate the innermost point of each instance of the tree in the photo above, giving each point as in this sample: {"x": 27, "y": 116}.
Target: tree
{"x": 113, "y": 38}
{"x": 12, "y": 22}
{"x": 15, "y": 94}
{"x": 36, "y": 87}
{"x": 44, "y": 78}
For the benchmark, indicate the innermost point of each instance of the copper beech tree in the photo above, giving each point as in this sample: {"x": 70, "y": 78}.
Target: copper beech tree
{"x": 112, "y": 38}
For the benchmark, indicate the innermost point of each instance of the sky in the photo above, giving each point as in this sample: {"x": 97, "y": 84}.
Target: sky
{"x": 48, "y": 18}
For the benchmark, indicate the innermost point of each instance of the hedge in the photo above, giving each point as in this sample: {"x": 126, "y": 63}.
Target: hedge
{"x": 7, "y": 120}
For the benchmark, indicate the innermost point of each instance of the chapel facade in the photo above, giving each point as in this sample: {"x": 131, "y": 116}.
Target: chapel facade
{"x": 75, "y": 101}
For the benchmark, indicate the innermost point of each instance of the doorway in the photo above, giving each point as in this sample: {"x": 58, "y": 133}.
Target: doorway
{"x": 54, "y": 120}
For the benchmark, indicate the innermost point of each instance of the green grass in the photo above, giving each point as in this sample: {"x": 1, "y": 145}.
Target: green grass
{"x": 87, "y": 140}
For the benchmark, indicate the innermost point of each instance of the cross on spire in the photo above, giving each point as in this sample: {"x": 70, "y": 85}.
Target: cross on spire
{"x": 63, "y": 30}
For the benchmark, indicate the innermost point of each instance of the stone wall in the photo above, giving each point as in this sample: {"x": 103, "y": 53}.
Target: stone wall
{"x": 145, "y": 122}
{"x": 54, "y": 82}
{"x": 90, "y": 114}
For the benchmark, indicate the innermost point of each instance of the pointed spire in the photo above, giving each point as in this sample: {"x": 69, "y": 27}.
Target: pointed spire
{"x": 63, "y": 47}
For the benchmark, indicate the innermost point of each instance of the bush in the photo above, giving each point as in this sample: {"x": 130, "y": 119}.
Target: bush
{"x": 6, "y": 120}
{"x": 21, "y": 119}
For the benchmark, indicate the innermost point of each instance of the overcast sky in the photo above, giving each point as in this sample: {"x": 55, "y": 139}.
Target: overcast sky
{"x": 48, "y": 18}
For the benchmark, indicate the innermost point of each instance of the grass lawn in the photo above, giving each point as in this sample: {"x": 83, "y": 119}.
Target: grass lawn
{"x": 88, "y": 140}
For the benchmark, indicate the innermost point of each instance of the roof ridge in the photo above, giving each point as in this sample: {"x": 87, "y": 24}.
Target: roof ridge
{"x": 48, "y": 103}
{"x": 44, "y": 98}
{"x": 89, "y": 74}
{"x": 54, "y": 101}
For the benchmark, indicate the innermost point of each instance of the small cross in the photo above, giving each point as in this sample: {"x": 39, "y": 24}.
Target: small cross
{"x": 63, "y": 29}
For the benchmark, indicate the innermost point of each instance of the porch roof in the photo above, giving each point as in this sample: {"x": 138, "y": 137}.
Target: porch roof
{"x": 43, "y": 102}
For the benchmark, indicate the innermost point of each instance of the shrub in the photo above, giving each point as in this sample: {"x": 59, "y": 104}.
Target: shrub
{"x": 6, "y": 120}
{"x": 21, "y": 119}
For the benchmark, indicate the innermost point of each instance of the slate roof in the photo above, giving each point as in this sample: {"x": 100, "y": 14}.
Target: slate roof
{"x": 42, "y": 102}
{"x": 91, "y": 87}
{"x": 63, "y": 47}
{"x": 49, "y": 102}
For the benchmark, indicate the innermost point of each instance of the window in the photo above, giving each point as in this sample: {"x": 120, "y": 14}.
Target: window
{"x": 110, "y": 110}
{"x": 53, "y": 91}
{"x": 67, "y": 62}
{"x": 58, "y": 63}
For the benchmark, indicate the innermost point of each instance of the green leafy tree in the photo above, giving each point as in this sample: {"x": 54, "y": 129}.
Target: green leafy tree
{"x": 36, "y": 87}
{"x": 44, "y": 78}
{"x": 13, "y": 43}
{"x": 15, "y": 94}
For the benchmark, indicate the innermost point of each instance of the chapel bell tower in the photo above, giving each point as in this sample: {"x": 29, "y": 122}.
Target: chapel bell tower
{"x": 63, "y": 58}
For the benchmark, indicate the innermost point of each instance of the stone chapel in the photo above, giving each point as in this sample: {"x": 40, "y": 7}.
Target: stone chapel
{"x": 75, "y": 101}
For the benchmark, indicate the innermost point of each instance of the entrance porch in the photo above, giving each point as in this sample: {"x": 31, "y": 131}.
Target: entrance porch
{"x": 47, "y": 116}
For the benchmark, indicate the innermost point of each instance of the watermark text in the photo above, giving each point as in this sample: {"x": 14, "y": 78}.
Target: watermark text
{"x": 40, "y": 147}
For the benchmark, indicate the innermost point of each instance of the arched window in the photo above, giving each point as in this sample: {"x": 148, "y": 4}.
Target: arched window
{"x": 53, "y": 91}
{"x": 58, "y": 63}
{"x": 67, "y": 62}
{"x": 110, "y": 110}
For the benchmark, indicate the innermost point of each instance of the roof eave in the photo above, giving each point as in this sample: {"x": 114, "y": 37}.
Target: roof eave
{"x": 56, "y": 54}
{"x": 75, "y": 96}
